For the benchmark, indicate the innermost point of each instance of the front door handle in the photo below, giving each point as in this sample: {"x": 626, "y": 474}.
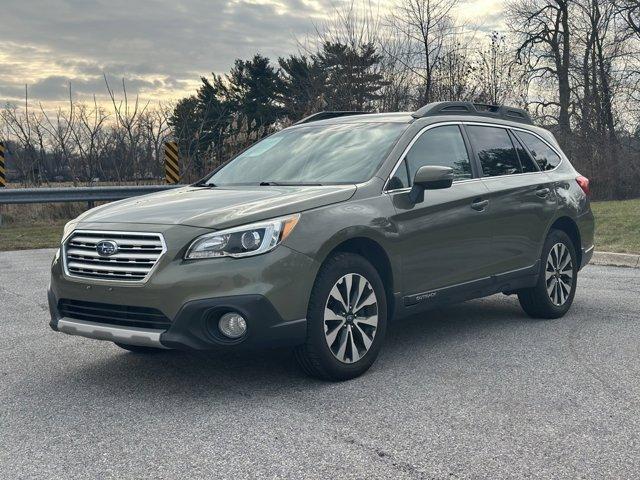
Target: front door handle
{"x": 479, "y": 205}
{"x": 543, "y": 192}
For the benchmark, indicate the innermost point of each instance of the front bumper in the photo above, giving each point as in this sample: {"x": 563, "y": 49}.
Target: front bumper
{"x": 271, "y": 291}
{"x": 195, "y": 326}
{"x": 101, "y": 331}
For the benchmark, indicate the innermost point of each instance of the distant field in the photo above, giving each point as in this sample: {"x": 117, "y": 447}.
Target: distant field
{"x": 617, "y": 225}
{"x": 21, "y": 237}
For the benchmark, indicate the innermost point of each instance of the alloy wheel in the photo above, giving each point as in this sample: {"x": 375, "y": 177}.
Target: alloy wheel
{"x": 351, "y": 318}
{"x": 559, "y": 274}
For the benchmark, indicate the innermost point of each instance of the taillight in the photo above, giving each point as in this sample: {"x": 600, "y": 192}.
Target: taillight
{"x": 583, "y": 182}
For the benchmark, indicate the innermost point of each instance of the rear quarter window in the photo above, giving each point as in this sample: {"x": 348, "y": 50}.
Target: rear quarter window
{"x": 543, "y": 154}
{"x": 528, "y": 164}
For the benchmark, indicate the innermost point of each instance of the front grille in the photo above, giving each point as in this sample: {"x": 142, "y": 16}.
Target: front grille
{"x": 118, "y": 315}
{"x": 137, "y": 254}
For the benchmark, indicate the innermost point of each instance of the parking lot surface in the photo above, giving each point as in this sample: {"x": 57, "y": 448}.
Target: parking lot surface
{"x": 476, "y": 390}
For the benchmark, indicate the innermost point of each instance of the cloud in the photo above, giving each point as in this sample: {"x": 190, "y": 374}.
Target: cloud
{"x": 161, "y": 47}
{"x": 48, "y": 43}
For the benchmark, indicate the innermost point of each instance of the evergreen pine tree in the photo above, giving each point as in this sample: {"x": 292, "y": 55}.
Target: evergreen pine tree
{"x": 301, "y": 86}
{"x": 353, "y": 82}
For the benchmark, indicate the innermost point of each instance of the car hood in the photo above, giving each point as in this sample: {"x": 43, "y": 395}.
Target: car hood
{"x": 219, "y": 207}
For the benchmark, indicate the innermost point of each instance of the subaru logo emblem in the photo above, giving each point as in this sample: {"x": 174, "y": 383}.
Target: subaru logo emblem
{"x": 106, "y": 248}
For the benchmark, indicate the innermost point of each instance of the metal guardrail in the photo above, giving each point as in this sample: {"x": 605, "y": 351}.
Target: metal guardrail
{"x": 76, "y": 194}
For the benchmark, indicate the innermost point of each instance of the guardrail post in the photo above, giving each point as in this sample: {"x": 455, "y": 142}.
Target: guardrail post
{"x": 171, "y": 163}
{"x": 3, "y": 174}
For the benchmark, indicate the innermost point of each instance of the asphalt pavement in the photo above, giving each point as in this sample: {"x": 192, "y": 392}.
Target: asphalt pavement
{"x": 476, "y": 390}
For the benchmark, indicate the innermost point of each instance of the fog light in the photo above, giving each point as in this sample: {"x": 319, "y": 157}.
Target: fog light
{"x": 232, "y": 325}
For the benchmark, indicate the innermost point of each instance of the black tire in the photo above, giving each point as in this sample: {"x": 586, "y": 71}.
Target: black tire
{"x": 537, "y": 302}
{"x": 139, "y": 349}
{"x": 315, "y": 356}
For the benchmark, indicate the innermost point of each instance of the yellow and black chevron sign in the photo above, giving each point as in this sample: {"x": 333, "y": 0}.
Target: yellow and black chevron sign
{"x": 171, "y": 164}
{"x": 3, "y": 171}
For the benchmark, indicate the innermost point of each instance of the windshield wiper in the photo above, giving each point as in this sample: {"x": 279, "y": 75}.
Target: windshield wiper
{"x": 289, "y": 184}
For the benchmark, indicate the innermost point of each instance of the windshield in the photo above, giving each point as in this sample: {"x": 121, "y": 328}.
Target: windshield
{"x": 338, "y": 153}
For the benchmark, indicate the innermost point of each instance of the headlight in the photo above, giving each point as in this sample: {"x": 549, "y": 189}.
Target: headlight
{"x": 243, "y": 241}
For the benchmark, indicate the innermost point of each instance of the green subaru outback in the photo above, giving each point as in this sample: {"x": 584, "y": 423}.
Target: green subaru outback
{"x": 321, "y": 234}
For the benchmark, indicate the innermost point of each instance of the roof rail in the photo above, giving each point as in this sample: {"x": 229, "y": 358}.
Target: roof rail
{"x": 478, "y": 109}
{"x": 326, "y": 115}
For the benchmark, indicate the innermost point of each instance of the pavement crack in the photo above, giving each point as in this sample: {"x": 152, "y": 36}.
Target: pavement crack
{"x": 390, "y": 459}
{"x": 11, "y": 292}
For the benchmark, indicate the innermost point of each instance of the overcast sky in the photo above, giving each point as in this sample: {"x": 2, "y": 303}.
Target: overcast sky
{"x": 160, "y": 47}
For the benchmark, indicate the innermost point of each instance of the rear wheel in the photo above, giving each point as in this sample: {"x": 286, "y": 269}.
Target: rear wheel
{"x": 346, "y": 319}
{"x": 139, "y": 348}
{"x": 553, "y": 294}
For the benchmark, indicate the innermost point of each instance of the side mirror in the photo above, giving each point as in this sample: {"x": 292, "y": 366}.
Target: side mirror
{"x": 430, "y": 177}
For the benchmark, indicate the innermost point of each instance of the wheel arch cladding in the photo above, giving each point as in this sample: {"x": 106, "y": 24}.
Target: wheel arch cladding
{"x": 375, "y": 254}
{"x": 569, "y": 226}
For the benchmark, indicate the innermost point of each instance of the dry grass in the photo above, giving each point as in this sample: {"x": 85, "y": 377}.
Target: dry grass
{"x": 40, "y": 226}
{"x": 35, "y": 225}
{"x": 21, "y": 237}
{"x": 617, "y": 226}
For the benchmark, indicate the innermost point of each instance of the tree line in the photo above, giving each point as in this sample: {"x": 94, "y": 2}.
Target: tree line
{"x": 86, "y": 142}
{"x": 573, "y": 64}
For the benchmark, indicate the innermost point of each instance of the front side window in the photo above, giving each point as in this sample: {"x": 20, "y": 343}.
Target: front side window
{"x": 400, "y": 178}
{"x": 496, "y": 152}
{"x": 542, "y": 153}
{"x": 440, "y": 146}
{"x": 324, "y": 154}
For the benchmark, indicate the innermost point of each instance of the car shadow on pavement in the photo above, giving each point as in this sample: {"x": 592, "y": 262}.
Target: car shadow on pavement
{"x": 268, "y": 371}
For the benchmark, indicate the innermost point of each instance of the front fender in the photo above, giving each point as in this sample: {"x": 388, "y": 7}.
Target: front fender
{"x": 322, "y": 230}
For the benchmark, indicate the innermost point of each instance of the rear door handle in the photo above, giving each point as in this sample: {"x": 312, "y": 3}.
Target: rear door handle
{"x": 543, "y": 192}
{"x": 479, "y": 205}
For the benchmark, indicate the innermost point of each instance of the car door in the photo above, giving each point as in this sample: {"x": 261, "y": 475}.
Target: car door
{"x": 443, "y": 240}
{"x": 521, "y": 197}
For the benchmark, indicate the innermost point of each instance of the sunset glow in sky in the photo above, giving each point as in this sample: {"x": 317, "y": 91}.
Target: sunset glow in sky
{"x": 160, "y": 47}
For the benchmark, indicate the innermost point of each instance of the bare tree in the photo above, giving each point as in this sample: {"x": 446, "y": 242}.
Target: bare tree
{"x": 90, "y": 139}
{"x": 59, "y": 131}
{"x": 156, "y": 130}
{"x": 602, "y": 80}
{"x": 129, "y": 133}
{"x": 630, "y": 12}
{"x": 397, "y": 92}
{"x": 543, "y": 31}
{"x": 426, "y": 26}
{"x": 453, "y": 79}
{"x": 24, "y": 128}
{"x": 500, "y": 79}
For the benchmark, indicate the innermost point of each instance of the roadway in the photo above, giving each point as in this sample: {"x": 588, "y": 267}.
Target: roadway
{"x": 476, "y": 390}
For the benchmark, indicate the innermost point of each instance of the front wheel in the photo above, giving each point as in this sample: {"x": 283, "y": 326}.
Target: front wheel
{"x": 346, "y": 319}
{"x": 553, "y": 294}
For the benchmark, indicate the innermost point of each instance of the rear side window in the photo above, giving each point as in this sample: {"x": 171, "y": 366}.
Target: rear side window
{"x": 542, "y": 153}
{"x": 495, "y": 150}
{"x": 443, "y": 146}
{"x": 528, "y": 165}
